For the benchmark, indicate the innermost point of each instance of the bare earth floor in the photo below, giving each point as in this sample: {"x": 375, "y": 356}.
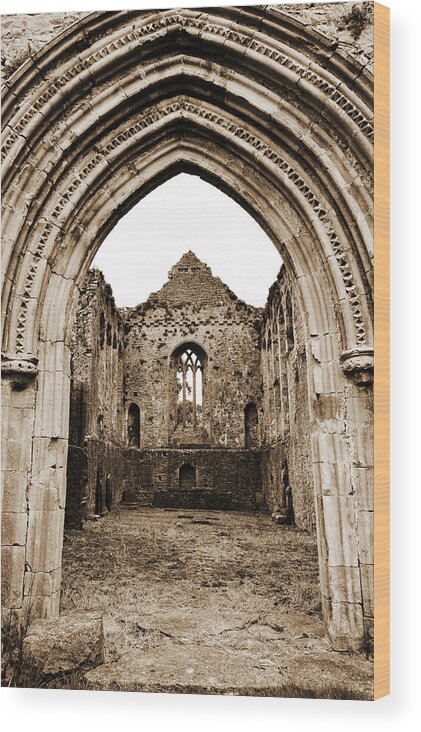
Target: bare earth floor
{"x": 206, "y": 602}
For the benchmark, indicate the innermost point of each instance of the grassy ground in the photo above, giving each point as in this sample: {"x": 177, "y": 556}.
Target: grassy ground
{"x": 207, "y": 602}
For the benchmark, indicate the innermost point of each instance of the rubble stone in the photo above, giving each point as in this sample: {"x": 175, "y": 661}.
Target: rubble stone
{"x": 70, "y": 644}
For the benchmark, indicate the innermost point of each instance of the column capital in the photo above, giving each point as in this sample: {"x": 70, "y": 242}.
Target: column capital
{"x": 23, "y": 366}
{"x": 358, "y": 364}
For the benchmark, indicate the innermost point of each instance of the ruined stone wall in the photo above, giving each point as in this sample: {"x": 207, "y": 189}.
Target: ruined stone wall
{"x": 349, "y": 24}
{"x": 286, "y": 422}
{"x": 225, "y": 479}
{"x": 97, "y": 359}
{"x": 193, "y": 306}
{"x": 121, "y": 358}
{"x": 97, "y": 418}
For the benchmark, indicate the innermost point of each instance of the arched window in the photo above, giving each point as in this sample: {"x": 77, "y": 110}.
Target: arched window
{"x": 187, "y": 476}
{"x": 251, "y": 426}
{"x": 190, "y": 361}
{"x": 133, "y": 425}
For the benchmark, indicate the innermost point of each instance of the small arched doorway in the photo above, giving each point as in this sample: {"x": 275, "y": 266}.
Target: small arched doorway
{"x": 187, "y": 476}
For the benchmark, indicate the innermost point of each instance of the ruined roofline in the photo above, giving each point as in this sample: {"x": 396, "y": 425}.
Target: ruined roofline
{"x": 190, "y": 261}
{"x": 95, "y": 279}
{"x": 273, "y": 289}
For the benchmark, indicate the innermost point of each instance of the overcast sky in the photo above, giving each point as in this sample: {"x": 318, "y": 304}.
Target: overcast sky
{"x": 187, "y": 213}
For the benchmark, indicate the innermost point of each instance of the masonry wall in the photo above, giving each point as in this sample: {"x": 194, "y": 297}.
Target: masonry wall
{"x": 193, "y": 306}
{"x": 255, "y": 364}
{"x": 97, "y": 415}
{"x": 286, "y": 464}
{"x": 124, "y": 358}
{"x": 225, "y": 479}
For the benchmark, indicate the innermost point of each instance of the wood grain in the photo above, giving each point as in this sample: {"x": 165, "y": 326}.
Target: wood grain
{"x": 382, "y": 351}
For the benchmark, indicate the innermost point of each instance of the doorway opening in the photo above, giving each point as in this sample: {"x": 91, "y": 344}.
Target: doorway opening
{"x": 187, "y": 477}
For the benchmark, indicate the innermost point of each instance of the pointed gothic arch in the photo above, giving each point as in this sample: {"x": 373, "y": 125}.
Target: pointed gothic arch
{"x": 237, "y": 89}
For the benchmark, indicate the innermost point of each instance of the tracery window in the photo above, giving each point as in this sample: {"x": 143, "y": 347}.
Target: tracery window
{"x": 189, "y": 386}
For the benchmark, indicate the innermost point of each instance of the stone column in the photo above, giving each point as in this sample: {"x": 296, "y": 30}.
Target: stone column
{"x": 343, "y": 521}
{"x": 36, "y": 398}
{"x": 19, "y": 374}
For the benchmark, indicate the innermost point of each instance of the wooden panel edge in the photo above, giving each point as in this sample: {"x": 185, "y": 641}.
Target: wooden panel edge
{"x": 382, "y": 351}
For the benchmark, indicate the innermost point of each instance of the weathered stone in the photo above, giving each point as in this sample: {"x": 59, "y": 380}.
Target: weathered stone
{"x": 62, "y": 646}
{"x": 122, "y": 357}
{"x": 12, "y": 573}
{"x": 188, "y": 670}
{"x": 227, "y": 122}
{"x": 13, "y": 528}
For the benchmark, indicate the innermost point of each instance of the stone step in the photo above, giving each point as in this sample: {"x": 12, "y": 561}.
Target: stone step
{"x": 187, "y": 668}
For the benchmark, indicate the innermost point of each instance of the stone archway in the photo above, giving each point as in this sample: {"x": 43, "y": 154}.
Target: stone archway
{"x": 262, "y": 107}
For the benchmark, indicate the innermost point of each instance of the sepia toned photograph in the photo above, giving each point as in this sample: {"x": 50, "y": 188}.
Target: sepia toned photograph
{"x": 188, "y": 350}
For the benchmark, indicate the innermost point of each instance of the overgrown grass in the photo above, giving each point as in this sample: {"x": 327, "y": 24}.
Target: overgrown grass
{"x": 232, "y": 583}
{"x": 14, "y": 671}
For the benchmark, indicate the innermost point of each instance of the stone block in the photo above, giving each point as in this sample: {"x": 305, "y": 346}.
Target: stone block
{"x": 60, "y": 646}
{"x": 12, "y": 572}
{"x": 365, "y": 532}
{"x": 54, "y": 357}
{"x": 59, "y": 290}
{"x": 14, "y": 484}
{"x": 340, "y": 530}
{"x": 17, "y": 401}
{"x": 16, "y": 454}
{"x": 41, "y": 584}
{"x": 335, "y": 478}
{"x": 40, "y": 606}
{"x": 363, "y": 482}
{"x": 344, "y": 584}
{"x": 13, "y": 528}
{"x": 363, "y": 446}
{"x": 47, "y": 490}
{"x": 330, "y": 448}
{"x": 52, "y": 415}
{"x": 345, "y": 626}
{"x": 367, "y": 586}
{"x": 45, "y": 540}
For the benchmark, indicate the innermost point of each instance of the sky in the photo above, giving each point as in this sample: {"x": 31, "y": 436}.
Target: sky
{"x": 187, "y": 213}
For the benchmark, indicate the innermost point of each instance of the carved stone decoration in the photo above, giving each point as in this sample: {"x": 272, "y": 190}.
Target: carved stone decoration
{"x": 180, "y": 20}
{"x": 358, "y": 364}
{"x": 21, "y": 367}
